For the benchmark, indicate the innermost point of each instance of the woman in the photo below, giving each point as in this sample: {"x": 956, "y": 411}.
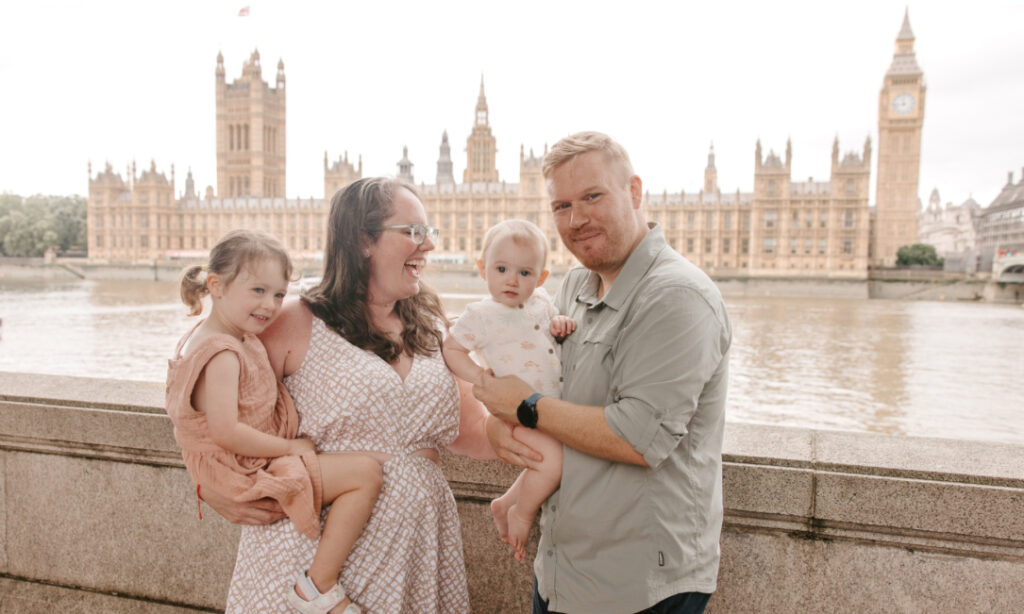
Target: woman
{"x": 360, "y": 354}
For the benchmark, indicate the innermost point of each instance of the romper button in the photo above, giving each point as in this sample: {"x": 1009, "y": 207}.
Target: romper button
{"x": 551, "y": 351}
{"x": 551, "y": 553}
{"x": 561, "y": 379}
{"x": 536, "y": 327}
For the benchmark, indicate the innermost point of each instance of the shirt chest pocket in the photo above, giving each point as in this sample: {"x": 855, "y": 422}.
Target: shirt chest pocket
{"x": 588, "y": 357}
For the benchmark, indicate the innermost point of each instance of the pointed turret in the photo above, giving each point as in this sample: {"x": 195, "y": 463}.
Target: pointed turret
{"x": 445, "y": 175}
{"x": 904, "y": 62}
{"x": 711, "y": 173}
{"x": 481, "y": 148}
{"x": 220, "y": 67}
{"x": 405, "y": 167}
{"x": 280, "y": 74}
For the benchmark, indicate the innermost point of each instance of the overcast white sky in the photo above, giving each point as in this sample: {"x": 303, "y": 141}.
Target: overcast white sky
{"x": 134, "y": 80}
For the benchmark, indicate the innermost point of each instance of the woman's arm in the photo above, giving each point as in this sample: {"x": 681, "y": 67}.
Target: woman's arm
{"x": 216, "y": 395}
{"x": 263, "y": 511}
{"x": 472, "y": 440}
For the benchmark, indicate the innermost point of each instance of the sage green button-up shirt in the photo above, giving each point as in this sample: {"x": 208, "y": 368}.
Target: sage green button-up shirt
{"x": 653, "y": 351}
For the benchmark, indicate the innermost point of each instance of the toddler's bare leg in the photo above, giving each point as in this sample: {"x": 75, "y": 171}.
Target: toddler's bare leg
{"x": 351, "y": 484}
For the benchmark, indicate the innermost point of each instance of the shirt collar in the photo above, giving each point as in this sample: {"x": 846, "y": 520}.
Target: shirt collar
{"x": 637, "y": 264}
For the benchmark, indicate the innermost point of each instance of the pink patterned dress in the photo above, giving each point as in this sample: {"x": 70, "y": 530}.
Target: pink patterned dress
{"x": 409, "y": 556}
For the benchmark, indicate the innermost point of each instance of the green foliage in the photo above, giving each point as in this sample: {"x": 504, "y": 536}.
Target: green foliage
{"x": 920, "y": 254}
{"x": 30, "y": 226}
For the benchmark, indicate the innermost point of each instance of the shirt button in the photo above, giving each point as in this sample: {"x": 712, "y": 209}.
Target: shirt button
{"x": 551, "y": 553}
{"x": 561, "y": 379}
{"x": 536, "y": 327}
{"x": 551, "y": 351}
{"x": 554, "y": 508}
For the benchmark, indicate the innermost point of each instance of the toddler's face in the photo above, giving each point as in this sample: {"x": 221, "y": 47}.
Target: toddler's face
{"x": 250, "y": 301}
{"x": 513, "y": 270}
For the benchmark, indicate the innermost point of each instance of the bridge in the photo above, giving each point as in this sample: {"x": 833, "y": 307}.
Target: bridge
{"x": 1008, "y": 265}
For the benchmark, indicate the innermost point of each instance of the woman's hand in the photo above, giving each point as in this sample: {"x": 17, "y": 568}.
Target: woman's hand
{"x": 263, "y": 511}
{"x": 298, "y": 447}
{"x": 508, "y": 448}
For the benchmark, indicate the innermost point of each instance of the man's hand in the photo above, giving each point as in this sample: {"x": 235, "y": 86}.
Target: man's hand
{"x": 502, "y": 395}
{"x": 509, "y": 449}
{"x": 263, "y": 511}
{"x": 562, "y": 327}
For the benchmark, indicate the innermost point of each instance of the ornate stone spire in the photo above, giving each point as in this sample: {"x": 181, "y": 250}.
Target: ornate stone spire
{"x": 405, "y": 167}
{"x": 904, "y": 62}
{"x": 444, "y": 162}
{"x": 481, "y": 105}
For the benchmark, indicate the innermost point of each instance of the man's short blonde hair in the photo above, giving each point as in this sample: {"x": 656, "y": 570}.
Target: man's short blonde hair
{"x": 585, "y": 142}
{"x": 522, "y": 232}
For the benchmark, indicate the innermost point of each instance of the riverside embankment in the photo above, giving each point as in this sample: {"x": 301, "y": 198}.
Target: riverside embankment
{"x": 98, "y": 515}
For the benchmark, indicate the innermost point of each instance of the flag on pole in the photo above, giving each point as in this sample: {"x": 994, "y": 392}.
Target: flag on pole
{"x": 244, "y": 12}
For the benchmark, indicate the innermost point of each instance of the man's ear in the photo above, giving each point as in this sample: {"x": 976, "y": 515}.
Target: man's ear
{"x": 542, "y": 277}
{"x": 636, "y": 191}
{"x": 482, "y": 268}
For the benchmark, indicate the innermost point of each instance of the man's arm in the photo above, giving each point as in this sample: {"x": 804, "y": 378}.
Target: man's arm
{"x": 582, "y": 427}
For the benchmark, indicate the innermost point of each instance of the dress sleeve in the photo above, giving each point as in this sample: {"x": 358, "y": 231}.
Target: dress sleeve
{"x": 668, "y": 352}
{"x": 470, "y": 330}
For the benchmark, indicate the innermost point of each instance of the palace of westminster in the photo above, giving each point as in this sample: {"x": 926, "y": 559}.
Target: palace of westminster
{"x": 784, "y": 228}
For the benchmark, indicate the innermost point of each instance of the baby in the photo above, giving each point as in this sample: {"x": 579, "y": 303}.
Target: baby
{"x": 514, "y": 333}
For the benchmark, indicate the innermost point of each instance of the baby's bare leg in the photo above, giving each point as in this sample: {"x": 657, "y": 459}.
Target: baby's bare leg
{"x": 351, "y": 483}
{"x": 501, "y": 505}
{"x": 534, "y": 487}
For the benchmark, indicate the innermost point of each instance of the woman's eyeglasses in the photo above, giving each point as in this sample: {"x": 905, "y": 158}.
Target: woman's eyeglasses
{"x": 417, "y": 232}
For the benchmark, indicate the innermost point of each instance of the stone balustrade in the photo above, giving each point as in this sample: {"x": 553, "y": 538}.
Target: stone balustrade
{"x": 98, "y": 515}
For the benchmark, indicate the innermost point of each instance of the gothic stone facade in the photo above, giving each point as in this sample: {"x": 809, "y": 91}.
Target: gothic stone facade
{"x": 784, "y": 228}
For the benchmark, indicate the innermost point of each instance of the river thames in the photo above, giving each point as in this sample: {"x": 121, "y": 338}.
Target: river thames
{"x": 933, "y": 369}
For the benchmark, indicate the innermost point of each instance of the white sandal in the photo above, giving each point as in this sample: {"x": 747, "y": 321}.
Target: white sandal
{"x": 323, "y": 602}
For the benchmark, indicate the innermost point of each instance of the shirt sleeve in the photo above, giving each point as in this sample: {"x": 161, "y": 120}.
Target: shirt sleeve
{"x": 470, "y": 330}
{"x": 665, "y": 354}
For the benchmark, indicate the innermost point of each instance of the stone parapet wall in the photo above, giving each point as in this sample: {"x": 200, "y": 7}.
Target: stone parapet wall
{"x": 98, "y": 515}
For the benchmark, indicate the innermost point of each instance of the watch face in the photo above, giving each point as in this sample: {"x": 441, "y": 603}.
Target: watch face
{"x": 903, "y": 104}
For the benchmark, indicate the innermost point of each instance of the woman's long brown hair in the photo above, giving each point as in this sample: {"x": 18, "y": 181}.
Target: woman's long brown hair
{"x": 340, "y": 299}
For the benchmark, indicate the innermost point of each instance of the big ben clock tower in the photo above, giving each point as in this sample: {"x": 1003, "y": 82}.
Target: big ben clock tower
{"x": 900, "y": 117}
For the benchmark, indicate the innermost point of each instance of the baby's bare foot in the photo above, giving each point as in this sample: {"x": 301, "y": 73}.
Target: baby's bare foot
{"x": 499, "y": 509}
{"x": 518, "y": 531}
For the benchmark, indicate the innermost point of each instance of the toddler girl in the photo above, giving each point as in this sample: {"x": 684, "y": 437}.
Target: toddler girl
{"x": 235, "y": 422}
{"x": 514, "y": 332}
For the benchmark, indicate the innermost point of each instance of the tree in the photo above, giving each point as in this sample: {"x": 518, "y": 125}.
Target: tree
{"x": 920, "y": 254}
{"x": 30, "y": 226}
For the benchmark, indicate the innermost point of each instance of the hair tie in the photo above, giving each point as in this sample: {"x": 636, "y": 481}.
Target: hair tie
{"x": 203, "y": 268}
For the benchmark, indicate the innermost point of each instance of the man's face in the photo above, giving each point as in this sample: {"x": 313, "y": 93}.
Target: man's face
{"x": 595, "y": 205}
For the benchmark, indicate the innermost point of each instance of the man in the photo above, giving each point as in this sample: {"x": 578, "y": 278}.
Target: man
{"x": 635, "y": 525}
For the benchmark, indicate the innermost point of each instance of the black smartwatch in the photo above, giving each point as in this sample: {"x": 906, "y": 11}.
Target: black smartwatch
{"x": 527, "y": 412}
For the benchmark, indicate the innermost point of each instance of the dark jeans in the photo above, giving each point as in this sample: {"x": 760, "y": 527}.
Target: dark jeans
{"x": 683, "y": 603}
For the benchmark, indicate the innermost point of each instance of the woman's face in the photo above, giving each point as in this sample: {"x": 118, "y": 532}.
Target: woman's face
{"x": 396, "y": 261}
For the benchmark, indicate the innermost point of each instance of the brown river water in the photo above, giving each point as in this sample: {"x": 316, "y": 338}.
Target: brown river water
{"x": 933, "y": 369}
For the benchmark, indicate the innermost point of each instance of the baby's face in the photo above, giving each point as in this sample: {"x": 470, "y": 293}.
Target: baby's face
{"x": 513, "y": 270}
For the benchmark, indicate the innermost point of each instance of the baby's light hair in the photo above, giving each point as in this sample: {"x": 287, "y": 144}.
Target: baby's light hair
{"x": 522, "y": 232}
{"x": 235, "y": 251}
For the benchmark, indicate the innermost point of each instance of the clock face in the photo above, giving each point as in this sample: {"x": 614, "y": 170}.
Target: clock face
{"x": 903, "y": 104}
